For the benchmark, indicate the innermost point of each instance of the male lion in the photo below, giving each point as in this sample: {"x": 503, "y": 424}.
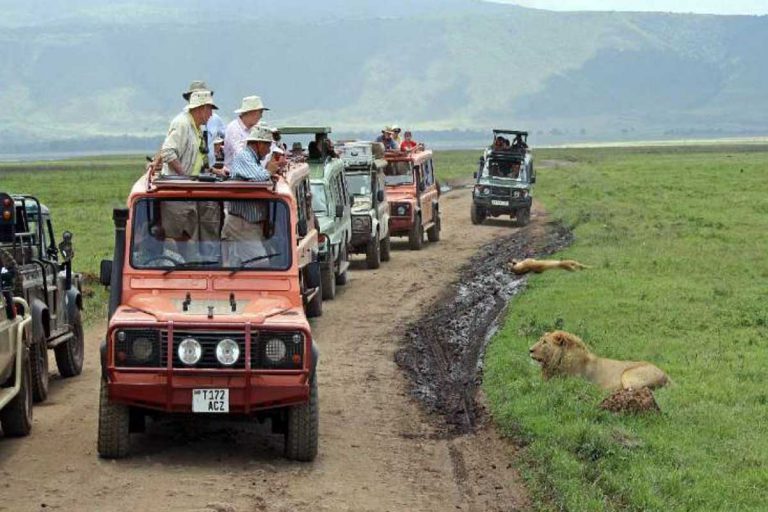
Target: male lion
{"x": 562, "y": 353}
{"x": 539, "y": 266}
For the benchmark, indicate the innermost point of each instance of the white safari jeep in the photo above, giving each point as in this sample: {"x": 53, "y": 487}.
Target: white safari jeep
{"x": 15, "y": 369}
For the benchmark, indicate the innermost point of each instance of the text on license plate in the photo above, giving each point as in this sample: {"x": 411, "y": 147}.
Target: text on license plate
{"x": 494, "y": 202}
{"x": 210, "y": 400}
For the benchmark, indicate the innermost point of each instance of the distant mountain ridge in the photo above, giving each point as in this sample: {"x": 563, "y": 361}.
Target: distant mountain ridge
{"x": 85, "y": 68}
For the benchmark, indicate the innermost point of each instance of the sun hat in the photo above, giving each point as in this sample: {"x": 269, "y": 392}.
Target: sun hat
{"x": 396, "y": 128}
{"x": 260, "y": 133}
{"x": 296, "y": 146}
{"x": 196, "y": 85}
{"x": 200, "y": 98}
{"x": 249, "y": 104}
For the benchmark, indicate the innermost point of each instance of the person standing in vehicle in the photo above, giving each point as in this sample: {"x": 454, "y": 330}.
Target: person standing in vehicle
{"x": 243, "y": 235}
{"x": 183, "y": 151}
{"x": 215, "y": 124}
{"x": 408, "y": 143}
{"x": 249, "y": 114}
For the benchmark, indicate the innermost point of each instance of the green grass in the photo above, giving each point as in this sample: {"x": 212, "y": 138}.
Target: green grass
{"x": 678, "y": 243}
{"x": 81, "y": 194}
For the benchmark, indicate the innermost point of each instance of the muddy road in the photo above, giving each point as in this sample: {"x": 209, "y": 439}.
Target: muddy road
{"x": 379, "y": 449}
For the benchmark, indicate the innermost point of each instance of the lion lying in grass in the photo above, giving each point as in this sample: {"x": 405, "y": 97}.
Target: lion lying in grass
{"x": 539, "y": 266}
{"x": 562, "y": 353}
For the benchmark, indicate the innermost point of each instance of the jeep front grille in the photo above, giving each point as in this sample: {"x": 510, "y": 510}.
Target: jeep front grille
{"x": 501, "y": 191}
{"x": 208, "y": 341}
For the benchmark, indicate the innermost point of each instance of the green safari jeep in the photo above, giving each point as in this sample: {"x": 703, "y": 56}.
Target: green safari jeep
{"x": 15, "y": 365}
{"x": 504, "y": 180}
{"x": 331, "y": 202}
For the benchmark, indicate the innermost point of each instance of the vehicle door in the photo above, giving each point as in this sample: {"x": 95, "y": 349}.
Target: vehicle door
{"x": 347, "y": 198}
{"x": 307, "y": 243}
{"x": 382, "y": 207}
{"x": 432, "y": 193}
{"x": 59, "y": 279}
{"x": 6, "y": 340}
{"x": 37, "y": 225}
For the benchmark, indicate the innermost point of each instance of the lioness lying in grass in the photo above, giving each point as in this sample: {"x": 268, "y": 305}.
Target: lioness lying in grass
{"x": 539, "y": 266}
{"x": 562, "y": 353}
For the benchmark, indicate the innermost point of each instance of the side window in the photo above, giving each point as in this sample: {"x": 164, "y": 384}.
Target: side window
{"x": 344, "y": 191}
{"x": 300, "y": 202}
{"x": 429, "y": 178}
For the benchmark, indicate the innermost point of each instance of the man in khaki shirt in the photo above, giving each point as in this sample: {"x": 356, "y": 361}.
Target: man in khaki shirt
{"x": 184, "y": 149}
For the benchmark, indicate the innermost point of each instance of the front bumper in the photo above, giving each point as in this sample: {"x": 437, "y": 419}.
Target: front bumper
{"x": 514, "y": 203}
{"x": 400, "y": 225}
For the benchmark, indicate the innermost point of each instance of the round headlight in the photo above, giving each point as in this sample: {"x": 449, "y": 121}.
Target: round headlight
{"x": 190, "y": 351}
{"x": 517, "y": 193}
{"x": 401, "y": 210}
{"x": 121, "y": 336}
{"x": 486, "y": 191}
{"x": 275, "y": 350}
{"x": 297, "y": 338}
{"x": 141, "y": 349}
{"x": 227, "y": 352}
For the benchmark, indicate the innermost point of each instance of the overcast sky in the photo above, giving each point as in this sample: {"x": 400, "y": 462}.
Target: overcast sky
{"x": 698, "y": 6}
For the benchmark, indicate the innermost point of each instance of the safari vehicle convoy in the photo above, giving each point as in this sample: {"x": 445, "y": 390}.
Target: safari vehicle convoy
{"x": 208, "y": 325}
{"x": 43, "y": 277}
{"x": 330, "y": 205}
{"x": 413, "y": 195}
{"x": 15, "y": 367}
{"x": 364, "y": 169}
{"x": 504, "y": 180}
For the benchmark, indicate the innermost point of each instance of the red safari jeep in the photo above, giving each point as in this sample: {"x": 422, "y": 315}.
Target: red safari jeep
{"x": 413, "y": 195}
{"x": 206, "y": 310}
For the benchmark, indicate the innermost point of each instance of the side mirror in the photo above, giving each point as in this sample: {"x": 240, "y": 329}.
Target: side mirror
{"x": 302, "y": 228}
{"x": 422, "y": 186}
{"x": 380, "y": 196}
{"x": 105, "y": 272}
{"x": 339, "y": 211}
{"x": 65, "y": 247}
{"x": 533, "y": 179}
{"x": 474, "y": 174}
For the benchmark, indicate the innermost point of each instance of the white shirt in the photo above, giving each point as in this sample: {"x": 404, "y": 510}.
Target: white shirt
{"x": 234, "y": 140}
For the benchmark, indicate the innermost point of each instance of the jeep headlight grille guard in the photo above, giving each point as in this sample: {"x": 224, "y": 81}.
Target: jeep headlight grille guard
{"x": 209, "y": 341}
{"x": 400, "y": 210}
{"x": 136, "y": 348}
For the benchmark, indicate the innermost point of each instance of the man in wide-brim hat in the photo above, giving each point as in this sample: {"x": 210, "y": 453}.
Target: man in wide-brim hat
{"x": 183, "y": 150}
{"x": 248, "y": 115}
{"x": 215, "y": 124}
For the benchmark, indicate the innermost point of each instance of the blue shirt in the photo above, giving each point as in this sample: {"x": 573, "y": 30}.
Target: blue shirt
{"x": 215, "y": 126}
{"x": 247, "y": 167}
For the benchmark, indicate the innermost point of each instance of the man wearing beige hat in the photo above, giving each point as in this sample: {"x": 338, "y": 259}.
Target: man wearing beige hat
{"x": 249, "y": 114}
{"x": 184, "y": 149}
{"x": 243, "y": 232}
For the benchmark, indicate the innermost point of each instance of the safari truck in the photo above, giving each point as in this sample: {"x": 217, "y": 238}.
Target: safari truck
{"x": 413, "y": 195}
{"x": 504, "y": 181}
{"x": 330, "y": 203}
{"x": 364, "y": 166}
{"x": 15, "y": 366}
{"x": 204, "y": 320}
{"x": 43, "y": 277}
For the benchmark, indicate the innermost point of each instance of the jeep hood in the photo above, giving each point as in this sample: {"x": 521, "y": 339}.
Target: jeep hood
{"x": 325, "y": 224}
{"x": 362, "y": 205}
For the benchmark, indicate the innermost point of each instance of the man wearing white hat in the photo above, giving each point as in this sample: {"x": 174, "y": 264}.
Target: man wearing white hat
{"x": 249, "y": 114}
{"x": 183, "y": 150}
{"x": 215, "y": 125}
{"x": 243, "y": 232}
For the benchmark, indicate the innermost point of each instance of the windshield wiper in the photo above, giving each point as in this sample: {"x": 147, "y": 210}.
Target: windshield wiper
{"x": 190, "y": 264}
{"x": 252, "y": 260}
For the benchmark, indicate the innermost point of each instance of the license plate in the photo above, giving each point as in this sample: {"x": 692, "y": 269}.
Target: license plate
{"x": 494, "y": 202}
{"x": 210, "y": 400}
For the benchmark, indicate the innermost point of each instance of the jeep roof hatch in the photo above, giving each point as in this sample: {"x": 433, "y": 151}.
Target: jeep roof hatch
{"x": 299, "y": 130}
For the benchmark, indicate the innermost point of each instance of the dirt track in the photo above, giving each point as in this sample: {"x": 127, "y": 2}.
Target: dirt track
{"x": 378, "y": 450}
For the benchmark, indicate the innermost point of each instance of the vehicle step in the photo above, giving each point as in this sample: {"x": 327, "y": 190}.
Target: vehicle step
{"x": 428, "y": 225}
{"x": 6, "y": 395}
{"x": 343, "y": 267}
{"x": 60, "y": 338}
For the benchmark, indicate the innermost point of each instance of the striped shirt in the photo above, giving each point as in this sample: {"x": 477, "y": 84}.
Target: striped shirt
{"x": 247, "y": 167}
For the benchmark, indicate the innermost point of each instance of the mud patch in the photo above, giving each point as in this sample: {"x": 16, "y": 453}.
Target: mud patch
{"x": 442, "y": 352}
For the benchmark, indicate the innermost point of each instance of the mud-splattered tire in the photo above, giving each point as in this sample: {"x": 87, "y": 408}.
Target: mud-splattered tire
{"x": 373, "y": 253}
{"x": 69, "y": 355}
{"x": 315, "y": 306}
{"x": 302, "y": 427}
{"x": 386, "y": 249}
{"x": 477, "y": 215}
{"x": 522, "y": 217}
{"x": 433, "y": 233}
{"x": 114, "y": 421}
{"x": 38, "y": 361}
{"x": 416, "y": 235}
{"x": 328, "y": 278}
{"x": 16, "y": 416}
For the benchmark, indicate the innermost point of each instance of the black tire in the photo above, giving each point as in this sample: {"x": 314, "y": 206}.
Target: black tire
{"x": 386, "y": 249}
{"x": 477, "y": 214}
{"x": 341, "y": 278}
{"x": 433, "y": 233}
{"x": 302, "y": 426}
{"x": 523, "y": 217}
{"x": 416, "y": 235}
{"x": 38, "y": 361}
{"x": 114, "y": 440}
{"x": 16, "y": 416}
{"x": 69, "y": 355}
{"x": 328, "y": 278}
{"x": 315, "y": 306}
{"x": 373, "y": 253}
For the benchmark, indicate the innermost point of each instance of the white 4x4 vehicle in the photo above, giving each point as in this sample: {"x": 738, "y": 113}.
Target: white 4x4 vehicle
{"x": 15, "y": 369}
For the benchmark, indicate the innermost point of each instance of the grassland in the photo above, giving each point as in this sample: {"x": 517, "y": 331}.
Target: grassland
{"x": 677, "y": 239}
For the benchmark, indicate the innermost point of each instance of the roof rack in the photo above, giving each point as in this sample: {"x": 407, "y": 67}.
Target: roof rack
{"x": 299, "y": 130}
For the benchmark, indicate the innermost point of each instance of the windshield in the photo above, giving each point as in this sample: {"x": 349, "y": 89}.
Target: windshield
{"x": 359, "y": 184}
{"x": 210, "y": 235}
{"x": 398, "y": 173}
{"x": 504, "y": 169}
{"x": 319, "y": 199}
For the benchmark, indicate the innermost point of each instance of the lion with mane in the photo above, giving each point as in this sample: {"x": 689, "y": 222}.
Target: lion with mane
{"x": 562, "y": 353}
